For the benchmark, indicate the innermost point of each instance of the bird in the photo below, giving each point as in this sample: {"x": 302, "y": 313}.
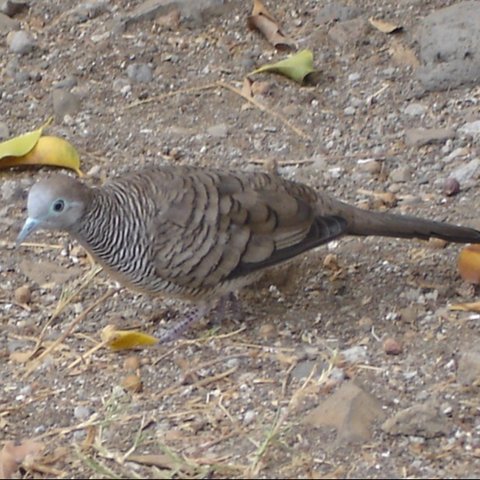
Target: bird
{"x": 200, "y": 234}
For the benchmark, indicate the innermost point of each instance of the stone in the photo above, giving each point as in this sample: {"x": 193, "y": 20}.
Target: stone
{"x": 369, "y": 165}
{"x": 218, "y": 131}
{"x": 417, "y": 137}
{"x": 468, "y": 371}
{"x": 354, "y": 77}
{"x": 68, "y": 82}
{"x": 196, "y": 11}
{"x": 81, "y": 413}
{"x": 10, "y": 8}
{"x": 355, "y": 354}
{"x": 4, "y": 131}
{"x": 8, "y": 24}
{"x": 421, "y": 420}
{"x": 391, "y": 346}
{"x": 20, "y": 42}
{"x": 88, "y": 10}
{"x": 471, "y": 129}
{"x": 466, "y": 171}
{"x": 351, "y": 411}
{"x": 64, "y": 103}
{"x": 449, "y": 43}
{"x": 400, "y": 174}
{"x": 415, "y": 110}
{"x": 140, "y": 73}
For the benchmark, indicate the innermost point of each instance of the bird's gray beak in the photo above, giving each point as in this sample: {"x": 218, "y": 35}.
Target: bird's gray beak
{"x": 29, "y": 226}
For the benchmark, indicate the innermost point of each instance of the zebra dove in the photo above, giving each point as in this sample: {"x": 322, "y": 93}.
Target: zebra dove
{"x": 199, "y": 234}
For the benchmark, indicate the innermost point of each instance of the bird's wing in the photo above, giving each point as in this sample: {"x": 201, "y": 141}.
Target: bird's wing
{"x": 218, "y": 226}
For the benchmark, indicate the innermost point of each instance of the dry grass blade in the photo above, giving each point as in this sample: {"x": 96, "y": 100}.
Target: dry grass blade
{"x": 69, "y": 330}
{"x": 220, "y": 84}
{"x": 264, "y": 108}
{"x": 66, "y": 297}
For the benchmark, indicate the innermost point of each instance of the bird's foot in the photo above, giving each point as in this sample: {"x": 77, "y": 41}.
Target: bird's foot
{"x": 231, "y": 302}
{"x": 198, "y": 312}
{"x": 195, "y": 314}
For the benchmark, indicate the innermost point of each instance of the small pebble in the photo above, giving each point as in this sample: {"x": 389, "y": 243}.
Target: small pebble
{"x": 400, "y": 175}
{"x": 4, "y": 131}
{"x": 81, "y": 413}
{"x": 451, "y": 187}
{"x": 267, "y": 331}
{"x": 355, "y": 354}
{"x": 261, "y": 88}
{"x": 349, "y": 111}
{"x": 140, "y": 73}
{"x": 218, "y": 131}
{"x": 249, "y": 417}
{"x": 132, "y": 383}
{"x": 131, "y": 363}
{"x": 369, "y": 165}
{"x": 392, "y": 347}
{"x": 65, "y": 103}
{"x": 23, "y": 295}
{"x": 415, "y": 110}
{"x": 20, "y": 42}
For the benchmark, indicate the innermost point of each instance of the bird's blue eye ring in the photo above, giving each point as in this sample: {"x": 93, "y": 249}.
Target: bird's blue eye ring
{"x": 59, "y": 205}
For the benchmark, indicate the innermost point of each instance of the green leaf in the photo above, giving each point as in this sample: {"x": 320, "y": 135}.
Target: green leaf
{"x": 297, "y": 67}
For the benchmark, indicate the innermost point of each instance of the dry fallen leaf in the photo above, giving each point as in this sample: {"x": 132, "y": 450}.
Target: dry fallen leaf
{"x": 466, "y": 307}
{"x": 469, "y": 264}
{"x": 12, "y": 456}
{"x": 21, "y": 357}
{"x": 263, "y": 21}
{"x": 126, "y": 339}
{"x": 297, "y": 67}
{"x": 384, "y": 26}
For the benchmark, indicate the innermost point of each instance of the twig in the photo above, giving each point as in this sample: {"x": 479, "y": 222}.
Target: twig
{"x": 63, "y": 302}
{"x": 69, "y": 330}
{"x": 220, "y": 84}
{"x": 181, "y": 91}
{"x": 264, "y": 108}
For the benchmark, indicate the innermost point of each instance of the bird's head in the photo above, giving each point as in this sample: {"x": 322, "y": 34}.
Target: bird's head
{"x": 56, "y": 203}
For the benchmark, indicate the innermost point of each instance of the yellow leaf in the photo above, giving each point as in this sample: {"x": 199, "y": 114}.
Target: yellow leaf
{"x": 469, "y": 264}
{"x": 33, "y": 149}
{"x": 384, "y": 26}
{"x": 21, "y": 145}
{"x": 54, "y": 151}
{"x": 126, "y": 339}
{"x": 297, "y": 67}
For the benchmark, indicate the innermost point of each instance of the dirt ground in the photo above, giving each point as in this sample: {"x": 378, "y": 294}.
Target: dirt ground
{"x": 233, "y": 399}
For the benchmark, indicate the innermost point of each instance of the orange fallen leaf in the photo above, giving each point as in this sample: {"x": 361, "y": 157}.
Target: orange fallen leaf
{"x": 126, "y": 339}
{"x": 469, "y": 264}
{"x": 263, "y": 21}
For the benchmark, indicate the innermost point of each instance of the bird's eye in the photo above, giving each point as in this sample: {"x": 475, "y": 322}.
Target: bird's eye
{"x": 58, "y": 206}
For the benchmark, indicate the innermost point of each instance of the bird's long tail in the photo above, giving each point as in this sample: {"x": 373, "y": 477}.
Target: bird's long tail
{"x": 364, "y": 222}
